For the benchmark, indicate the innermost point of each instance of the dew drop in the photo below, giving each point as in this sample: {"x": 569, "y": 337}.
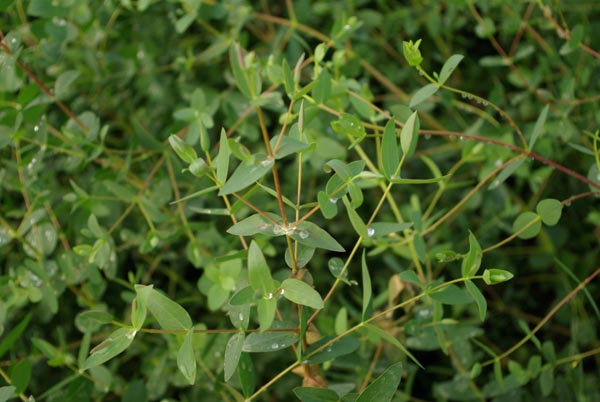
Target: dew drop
{"x": 484, "y": 103}
{"x": 270, "y": 296}
{"x": 282, "y": 291}
{"x": 370, "y": 232}
{"x": 275, "y": 346}
{"x": 347, "y": 27}
{"x": 36, "y": 128}
{"x": 427, "y": 136}
{"x": 568, "y": 204}
{"x": 241, "y": 317}
{"x": 278, "y": 230}
{"x": 131, "y": 334}
{"x": 13, "y": 40}
{"x": 496, "y": 183}
{"x": 267, "y": 162}
{"x": 303, "y": 234}
{"x": 328, "y": 350}
{"x": 333, "y": 200}
{"x": 461, "y": 138}
{"x": 498, "y": 162}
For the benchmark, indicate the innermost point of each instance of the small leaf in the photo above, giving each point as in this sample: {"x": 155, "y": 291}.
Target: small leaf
{"x": 350, "y": 125}
{"x": 287, "y": 146}
{"x": 139, "y": 307}
{"x": 449, "y": 67}
{"x": 393, "y": 340}
{"x": 322, "y": 89}
{"x": 312, "y": 235}
{"x": 247, "y": 375}
{"x": 259, "y": 275}
{"x": 302, "y": 293}
{"x": 327, "y": 205}
{"x": 423, "y": 94}
{"x": 451, "y": 294}
{"x": 222, "y": 159}
{"x": 311, "y": 394}
{"x": 63, "y": 82}
{"x": 478, "y": 297}
{"x": 239, "y": 73}
{"x": 186, "y": 361}
{"x": 366, "y": 285}
{"x": 304, "y": 255}
{"x": 7, "y": 393}
{"x": 539, "y": 126}
{"x": 389, "y": 149}
{"x": 288, "y": 79}
{"x": 397, "y": 180}
{"x": 341, "y": 347}
{"x": 506, "y": 173}
{"x": 355, "y": 220}
{"x": 550, "y": 210}
{"x": 168, "y": 313}
{"x": 384, "y": 387}
{"x": 493, "y": 276}
{"x": 547, "y": 380}
{"x": 265, "y": 309}
{"x": 381, "y": 229}
{"x": 233, "y": 352}
{"x": 185, "y": 152}
{"x": 472, "y": 261}
{"x": 528, "y": 224}
{"x": 574, "y": 41}
{"x": 254, "y": 224}
{"x": 246, "y": 174}
{"x": 15, "y": 333}
{"x": 409, "y": 135}
{"x": 258, "y": 342}
{"x": 410, "y": 277}
{"x": 116, "y": 343}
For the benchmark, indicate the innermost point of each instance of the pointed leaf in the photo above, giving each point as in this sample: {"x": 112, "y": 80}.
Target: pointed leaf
{"x": 398, "y": 180}
{"x": 312, "y": 394}
{"x": 259, "y": 275}
{"x": 168, "y": 313}
{"x": 422, "y": 94}
{"x": 539, "y": 126}
{"x": 186, "y": 361}
{"x": 265, "y": 309}
{"x": 367, "y": 290}
{"x": 341, "y": 347}
{"x": 254, "y": 224}
{"x": 301, "y": 293}
{"x": 241, "y": 78}
{"x": 381, "y": 229}
{"x": 312, "y": 235}
{"x": 233, "y": 352}
{"x": 222, "y": 159}
{"x": 355, "y": 220}
{"x": 449, "y": 67}
{"x": 15, "y": 333}
{"x": 116, "y": 343}
{"x": 393, "y": 340}
{"x": 247, "y": 375}
{"x": 506, "y": 173}
{"x": 287, "y": 146}
{"x": 472, "y": 261}
{"x": 389, "y": 149}
{"x": 451, "y": 294}
{"x": 185, "y": 152}
{"x": 327, "y": 205}
{"x": 349, "y": 124}
{"x": 410, "y": 135}
{"x": 139, "y": 306}
{"x": 384, "y": 387}
{"x": 478, "y": 297}
{"x": 550, "y": 211}
{"x": 258, "y": 342}
{"x": 246, "y": 174}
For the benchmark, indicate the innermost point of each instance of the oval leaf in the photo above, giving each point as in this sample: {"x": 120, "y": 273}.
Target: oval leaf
{"x": 550, "y": 211}
{"x": 528, "y": 224}
{"x": 186, "y": 361}
{"x": 168, "y": 313}
{"x": 258, "y": 342}
{"x": 409, "y": 134}
{"x": 384, "y": 387}
{"x": 301, "y": 293}
{"x": 116, "y": 343}
{"x": 311, "y": 235}
{"x": 494, "y": 276}
{"x": 259, "y": 274}
{"x": 246, "y": 174}
{"x": 449, "y": 67}
{"x": 233, "y": 352}
{"x": 389, "y": 149}
{"x": 422, "y": 94}
{"x": 341, "y": 347}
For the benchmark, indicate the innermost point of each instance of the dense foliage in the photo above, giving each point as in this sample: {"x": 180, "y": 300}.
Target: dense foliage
{"x": 313, "y": 200}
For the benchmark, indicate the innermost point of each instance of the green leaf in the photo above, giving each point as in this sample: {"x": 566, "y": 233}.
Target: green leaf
{"x": 254, "y": 224}
{"x": 506, "y": 173}
{"x": 185, "y": 152}
{"x": 322, "y": 89}
{"x": 478, "y": 297}
{"x": 233, "y": 352}
{"x": 449, "y": 67}
{"x": 355, "y": 220}
{"x": 451, "y": 294}
{"x": 379, "y": 332}
{"x": 367, "y": 290}
{"x": 259, "y": 275}
{"x": 423, "y": 94}
{"x": 265, "y": 309}
{"x": 547, "y": 380}
{"x": 311, "y": 235}
{"x": 258, "y": 342}
{"x": 349, "y": 124}
{"x": 246, "y": 174}
{"x": 11, "y": 337}
{"x": 574, "y": 42}
{"x": 304, "y": 255}
{"x": 550, "y": 210}
{"x": 397, "y": 180}
{"x": 222, "y": 159}
{"x": 288, "y": 79}
{"x": 384, "y": 387}
{"x": 287, "y": 146}
{"x": 64, "y": 80}
{"x": 341, "y": 347}
{"x": 528, "y": 224}
{"x": 311, "y": 394}
{"x": 247, "y": 374}
{"x": 301, "y": 293}
{"x": 115, "y": 344}
{"x": 410, "y": 277}
{"x": 139, "y": 306}
{"x": 236, "y": 57}
{"x": 539, "y": 126}
{"x": 245, "y": 295}
{"x": 168, "y": 313}
{"x": 381, "y": 229}
{"x": 493, "y": 276}
{"x": 327, "y": 205}
{"x": 411, "y": 51}
{"x": 409, "y": 135}
{"x": 7, "y": 392}
{"x": 472, "y": 261}
{"x": 390, "y": 158}
{"x": 186, "y": 360}
{"x": 20, "y": 375}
